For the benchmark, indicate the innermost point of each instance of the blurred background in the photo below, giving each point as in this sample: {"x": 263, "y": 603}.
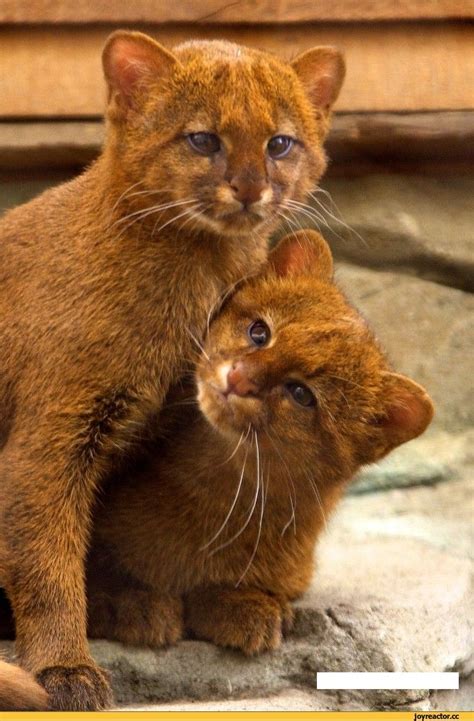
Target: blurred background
{"x": 398, "y": 208}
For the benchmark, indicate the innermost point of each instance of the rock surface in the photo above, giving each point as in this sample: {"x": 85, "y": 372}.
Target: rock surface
{"x": 427, "y": 330}
{"x": 393, "y": 592}
{"x": 422, "y": 225}
{"x": 436, "y": 456}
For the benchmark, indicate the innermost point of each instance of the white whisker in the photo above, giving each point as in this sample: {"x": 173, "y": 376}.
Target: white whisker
{"x": 242, "y": 529}
{"x": 149, "y": 210}
{"x": 337, "y": 219}
{"x": 177, "y": 217}
{"x": 231, "y": 509}
{"x": 199, "y": 345}
{"x": 125, "y": 192}
{"x": 260, "y": 483}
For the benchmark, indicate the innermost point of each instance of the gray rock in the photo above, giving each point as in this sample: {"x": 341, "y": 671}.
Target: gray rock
{"x": 385, "y": 600}
{"x": 428, "y": 332}
{"x": 423, "y": 225}
{"x": 435, "y": 457}
{"x": 393, "y": 591}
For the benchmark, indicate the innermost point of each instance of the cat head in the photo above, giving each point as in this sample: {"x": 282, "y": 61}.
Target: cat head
{"x": 227, "y": 131}
{"x": 291, "y": 359}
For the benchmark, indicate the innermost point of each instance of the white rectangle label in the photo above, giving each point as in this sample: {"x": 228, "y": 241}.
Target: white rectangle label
{"x": 386, "y": 680}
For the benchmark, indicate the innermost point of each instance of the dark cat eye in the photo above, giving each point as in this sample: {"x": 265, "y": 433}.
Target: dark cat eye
{"x": 279, "y": 146}
{"x": 301, "y": 394}
{"x": 204, "y": 143}
{"x": 259, "y": 333}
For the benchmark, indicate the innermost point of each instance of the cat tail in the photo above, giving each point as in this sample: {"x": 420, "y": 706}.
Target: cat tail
{"x": 19, "y": 690}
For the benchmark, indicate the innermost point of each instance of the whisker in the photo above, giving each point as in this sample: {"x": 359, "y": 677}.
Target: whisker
{"x": 199, "y": 345}
{"x": 224, "y": 295}
{"x": 317, "y": 494}
{"x": 260, "y": 482}
{"x": 290, "y": 479}
{"x": 242, "y": 529}
{"x": 177, "y": 217}
{"x": 292, "y": 518}
{"x": 239, "y": 443}
{"x": 307, "y": 210}
{"x": 338, "y": 220}
{"x": 123, "y": 195}
{"x": 294, "y": 214}
{"x": 315, "y": 217}
{"x": 231, "y": 509}
{"x": 149, "y": 210}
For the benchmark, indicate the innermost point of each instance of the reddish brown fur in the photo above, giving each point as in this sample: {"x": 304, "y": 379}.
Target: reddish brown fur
{"x": 99, "y": 303}
{"x": 159, "y": 530}
{"x": 19, "y": 691}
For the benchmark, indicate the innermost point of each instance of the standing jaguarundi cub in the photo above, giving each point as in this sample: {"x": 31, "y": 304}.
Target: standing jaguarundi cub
{"x": 104, "y": 282}
{"x": 216, "y": 535}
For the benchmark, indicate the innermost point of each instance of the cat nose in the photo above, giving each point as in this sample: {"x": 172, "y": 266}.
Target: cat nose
{"x": 238, "y": 381}
{"x": 247, "y": 191}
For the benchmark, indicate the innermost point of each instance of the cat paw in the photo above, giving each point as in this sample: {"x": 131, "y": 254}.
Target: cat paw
{"x": 250, "y": 621}
{"x": 137, "y": 618}
{"x": 149, "y": 620}
{"x": 76, "y": 688}
{"x": 287, "y": 615}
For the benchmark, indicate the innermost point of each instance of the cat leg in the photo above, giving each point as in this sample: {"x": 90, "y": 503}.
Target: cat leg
{"x": 136, "y": 617}
{"x": 243, "y": 618}
{"x": 50, "y": 473}
{"x": 46, "y": 523}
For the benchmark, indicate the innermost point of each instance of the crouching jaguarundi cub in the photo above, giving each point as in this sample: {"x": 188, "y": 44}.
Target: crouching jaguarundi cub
{"x": 107, "y": 281}
{"x": 215, "y": 535}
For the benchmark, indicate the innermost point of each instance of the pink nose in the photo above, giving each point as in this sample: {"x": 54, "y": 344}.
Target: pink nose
{"x": 238, "y": 381}
{"x": 246, "y": 191}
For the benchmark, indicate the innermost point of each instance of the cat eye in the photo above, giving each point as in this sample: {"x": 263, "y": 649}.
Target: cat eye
{"x": 300, "y": 394}
{"x": 280, "y": 146}
{"x": 204, "y": 143}
{"x": 259, "y": 333}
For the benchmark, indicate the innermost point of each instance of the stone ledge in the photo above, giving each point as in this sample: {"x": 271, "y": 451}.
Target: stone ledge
{"x": 435, "y": 457}
{"x": 414, "y": 224}
{"x": 384, "y": 598}
{"x": 427, "y": 331}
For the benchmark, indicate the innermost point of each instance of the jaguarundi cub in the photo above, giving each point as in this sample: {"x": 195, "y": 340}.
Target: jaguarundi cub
{"x": 216, "y": 535}
{"x": 107, "y": 281}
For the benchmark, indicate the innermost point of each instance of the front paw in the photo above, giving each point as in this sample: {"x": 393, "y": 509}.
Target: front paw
{"x": 76, "y": 688}
{"x": 137, "y": 618}
{"x": 248, "y": 620}
{"x": 146, "y": 619}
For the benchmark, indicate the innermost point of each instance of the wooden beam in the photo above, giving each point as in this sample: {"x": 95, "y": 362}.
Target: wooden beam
{"x": 56, "y": 72}
{"x": 354, "y": 138}
{"x": 222, "y": 11}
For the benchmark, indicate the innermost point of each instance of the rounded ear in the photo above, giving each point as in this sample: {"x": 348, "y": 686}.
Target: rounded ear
{"x": 322, "y": 71}
{"x": 408, "y": 410}
{"x": 304, "y": 252}
{"x": 130, "y": 61}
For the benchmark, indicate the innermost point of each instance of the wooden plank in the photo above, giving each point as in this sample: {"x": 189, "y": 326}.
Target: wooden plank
{"x": 222, "y": 11}
{"x": 412, "y": 137}
{"x": 50, "y": 72}
{"x": 359, "y": 137}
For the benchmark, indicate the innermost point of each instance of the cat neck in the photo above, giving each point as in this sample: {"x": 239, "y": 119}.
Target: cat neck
{"x": 257, "y": 465}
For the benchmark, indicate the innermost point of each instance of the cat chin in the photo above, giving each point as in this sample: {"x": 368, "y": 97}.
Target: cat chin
{"x": 230, "y": 416}
{"x": 237, "y": 224}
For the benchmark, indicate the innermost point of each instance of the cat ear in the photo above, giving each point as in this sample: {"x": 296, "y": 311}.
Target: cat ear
{"x": 130, "y": 60}
{"x": 408, "y": 411}
{"x": 304, "y": 252}
{"x": 322, "y": 71}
